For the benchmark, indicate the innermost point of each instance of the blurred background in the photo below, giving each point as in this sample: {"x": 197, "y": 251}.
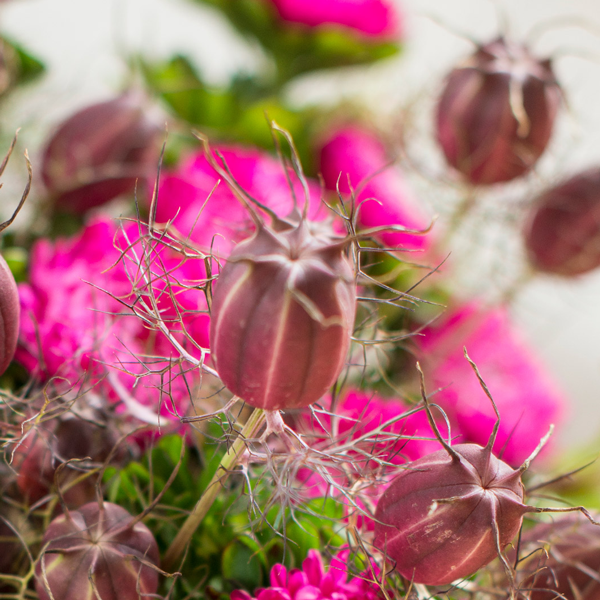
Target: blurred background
{"x": 85, "y": 43}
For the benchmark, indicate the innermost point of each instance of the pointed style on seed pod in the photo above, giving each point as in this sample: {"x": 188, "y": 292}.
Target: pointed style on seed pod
{"x": 9, "y": 315}
{"x": 496, "y": 112}
{"x": 100, "y": 152}
{"x": 98, "y": 551}
{"x": 283, "y": 311}
{"x": 452, "y": 512}
{"x": 571, "y": 567}
{"x": 562, "y": 233}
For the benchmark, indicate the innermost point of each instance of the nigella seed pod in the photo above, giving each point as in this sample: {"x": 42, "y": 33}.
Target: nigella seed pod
{"x": 571, "y": 567}
{"x": 100, "y": 152}
{"x": 282, "y": 316}
{"x": 562, "y": 234}
{"x": 496, "y": 112}
{"x": 9, "y": 315}
{"x": 452, "y": 512}
{"x": 435, "y": 519}
{"x": 98, "y": 551}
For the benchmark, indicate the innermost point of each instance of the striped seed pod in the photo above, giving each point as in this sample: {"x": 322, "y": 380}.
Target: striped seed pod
{"x": 282, "y": 316}
{"x": 496, "y": 113}
{"x": 9, "y": 315}
{"x": 97, "y": 551}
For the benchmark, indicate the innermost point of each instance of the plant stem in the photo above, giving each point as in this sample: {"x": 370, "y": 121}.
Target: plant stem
{"x": 228, "y": 462}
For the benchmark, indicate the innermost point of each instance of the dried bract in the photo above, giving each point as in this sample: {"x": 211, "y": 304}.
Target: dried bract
{"x": 496, "y": 113}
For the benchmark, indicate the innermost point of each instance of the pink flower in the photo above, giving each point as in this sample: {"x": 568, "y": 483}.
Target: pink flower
{"x": 184, "y": 192}
{"x": 372, "y": 18}
{"x": 358, "y": 154}
{"x": 75, "y": 319}
{"x": 313, "y": 582}
{"x": 525, "y": 394}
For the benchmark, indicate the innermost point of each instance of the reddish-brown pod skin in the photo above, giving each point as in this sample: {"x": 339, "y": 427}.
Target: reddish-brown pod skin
{"x": 100, "y": 152}
{"x": 9, "y": 315}
{"x": 496, "y": 113}
{"x": 562, "y": 234}
{"x": 282, "y": 317}
{"x": 573, "y": 545}
{"x": 435, "y": 520}
{"x": 98, "y": 544}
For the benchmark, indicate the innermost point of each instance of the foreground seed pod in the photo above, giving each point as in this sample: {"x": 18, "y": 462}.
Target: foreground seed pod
{"x": 496, "y": 113}
{"x": 9, "y": 315}
{"x": 571, "y": 569}
{"x": 97, "y": 551}
{"x": 100, "y": 152}
{"x": 282, "y": 316}
{"x": 452, "y": 512}
{"x": 562, "y": 235}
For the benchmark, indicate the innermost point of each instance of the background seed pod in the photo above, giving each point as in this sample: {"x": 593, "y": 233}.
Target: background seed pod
{"x": 562, "y": 234}
{"x": 282, "y": 316}
{"x": 9, "y": 315}
{"x": 97, "y": 547}
{"x": 496, "y": 113}
{"x": 435, "y": 520}
{"x": 572, "y": 566}
{"x": 99, "y": 153}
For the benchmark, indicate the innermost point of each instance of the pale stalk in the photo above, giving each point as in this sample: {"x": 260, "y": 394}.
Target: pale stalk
{"x": 228, "y": 462}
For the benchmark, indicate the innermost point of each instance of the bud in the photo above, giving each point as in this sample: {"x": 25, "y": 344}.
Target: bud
{"x": 496, "y": 113}
{"x": 570, "y": 569}
{"x": 282, "y": 316}
{"x": 562, "y": 235}
{"x": 97, "y": 551}
{"x": 437, "y": 518}
{"x": 9, "y": 315}
{"x": 100, "y": 152}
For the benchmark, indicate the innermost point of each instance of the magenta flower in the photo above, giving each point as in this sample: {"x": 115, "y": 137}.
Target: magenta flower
{"x": 223, "y": 221}
{"x": 358, "y": 154}
{"x": 372, "y": 18}
{"x": 75, "y": 319}
{"x": 312, "y": 582}
{"x": 527, "y": 397}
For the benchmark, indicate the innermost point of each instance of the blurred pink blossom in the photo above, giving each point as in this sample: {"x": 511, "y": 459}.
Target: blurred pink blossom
{"x": 372, "y": 18}
{"x": 183, "y": 195}
{"x": 75, "y": 320}
{"x": 357, "y": 154}
{"x": 526, "y": 395}
{"x": 312, "y": 582}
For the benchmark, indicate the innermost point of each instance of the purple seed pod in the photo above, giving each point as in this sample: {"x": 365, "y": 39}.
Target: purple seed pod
{"x": 9, "y": 315}
{"x": 496, "y": 112}
{"x": 562, "y": 234}
{"x": 452, "y": 512}
{"x": 98, "y": 551}
{"x": 282, "y": 316}
{"x": 100, "y": 152}
{"x": 572, "y": 566}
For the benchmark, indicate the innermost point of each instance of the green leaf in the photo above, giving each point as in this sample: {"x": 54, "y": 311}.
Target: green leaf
{"x": 241, "y": 565}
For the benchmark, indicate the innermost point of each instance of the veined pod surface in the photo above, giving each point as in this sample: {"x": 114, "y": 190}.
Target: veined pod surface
{"x": 562, "y": 234}
{"x": 97, "y": 552}
{"x": 282, "y": 316}
{"x": 496, "y": 113}
{"x": 9, "y": 315}
{"x": 446, "y": 516}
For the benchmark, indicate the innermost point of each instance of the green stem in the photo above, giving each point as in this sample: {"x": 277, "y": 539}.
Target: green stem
{"x": 228, "y": 462}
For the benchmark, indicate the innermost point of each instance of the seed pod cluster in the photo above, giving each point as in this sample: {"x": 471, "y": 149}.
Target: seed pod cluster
{"x": 99, "y": 153}
{"x": 282, "y": 315}
{"x": 496, "y": 113}
{"x": 97, "y": 551}
{"x": 9, "y": 315}
{"x": 562, "y": 234}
